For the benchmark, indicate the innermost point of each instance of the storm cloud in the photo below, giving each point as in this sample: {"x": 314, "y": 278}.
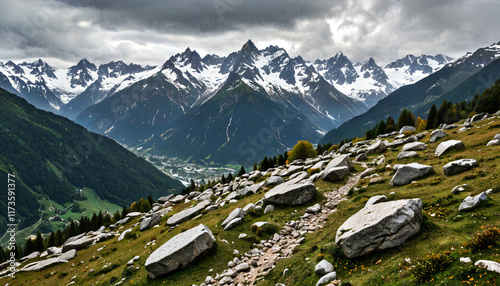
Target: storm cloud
{"x": 149, "y": 32}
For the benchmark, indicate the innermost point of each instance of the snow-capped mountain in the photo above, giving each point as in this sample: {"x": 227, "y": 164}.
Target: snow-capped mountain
{"x": 369, "y": 82}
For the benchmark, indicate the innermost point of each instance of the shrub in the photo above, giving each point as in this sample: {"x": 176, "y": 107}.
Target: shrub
{"x": 334, "y": 147}
{"x": 313, "y": 171}
{"x": 255, "y": 213}
{"x": 258, "y": 231}
{"x": 431, "y": 264}
{"x": 302, "y": 150}
{"x": 269, "y": 228}
{"x": 320, "y": 257}
{"x": 484, "y": 239}
{"x": 408, "y": 133}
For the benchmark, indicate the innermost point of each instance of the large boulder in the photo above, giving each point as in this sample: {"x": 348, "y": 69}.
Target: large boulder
{"x": 291, "y": 193}
{"x": 447, "y": 146}
{"x": 339, "y": 161}
{"x": 407, "y": 128}
{"x": 236, "y": 213}
{"x": 78, "y": 244}
{"x": 488, "y": 265}
{"x": 407, "y": 154}
{"x": 334, "y": 174}
{"x": 149, "y": 222}
{"x": 493, "y": 142}
{"x": 378, "y": 147}
{"x": 327, "y": 278}
{"x": 413, "y": 146}
{"x": 165, "y": 199}
{"x": 323, "y": 267}
{"x": 274, "y": 181}
{"x": 180, "y": 251}
{"x": 379, "y": 226}
{"x": 405, "y": 174}
{"x": 459, "y": 166}
{"x": 471, "y": 203}
{"x": 291, "y": 170}
{"x": 188, "y": 213}
{"x": 436, "y": 135}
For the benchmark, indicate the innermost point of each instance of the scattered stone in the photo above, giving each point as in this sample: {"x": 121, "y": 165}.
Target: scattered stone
{"x": 233, "y": 223}
{"x": 436, "y": 135}
{"x": 459, "y": 189}
{"x": 405, "y": 174}
{"x": 179, "y": 251}
{"x": 488, "y": 265}
{"x": 407, "y": 128}
{"x": 242, "y": 267}
{"x": 314, "y": 209}
{"x": 470, "y": 203}
{"x": 414, "y": 146}
{"x": 334, "y": 174}
{"x": 226, "y": 280}
{"x": 362, "y": 157}
{"x": 149, "y": 222}
{"x": 165, "y": 199}
{"x": 291, "y": 170}
{"x": 122, "y": 235}
{"x": 375, "y": 200}
{"x": 188, "y": 213}
{"x": 236, "y": 213}
{"x": 327, "y": 278}
{"x": 291, "y": 193}
{"x": 449, "y": 145}
{"x": 493, "y": 142}
{"x": 407, "y": 154}
{"x": 78, "y": 244}
{"x": 274, "y": 181}
{"x": 249, "y": 207}
{"x": 379, "y": 226}
{"x": 465, "y": 260}
{"x": 339, "y": 161}
{"x": 177, "y": 199}
{"x": 323, "y": 267}
{"x": 459, "y": 166}
{"x": 377, "y": 147}
{"x": 269, "y": 209}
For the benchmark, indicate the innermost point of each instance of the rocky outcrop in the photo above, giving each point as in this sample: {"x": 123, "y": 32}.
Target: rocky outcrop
{"x": 149, "y": 222}
{"x": 447, "y": 146}
{"x": 436, "y": 135}
{"x": 471, "y": 203}
{"x": 459, "y": 166}
{"x": 413, "y": 146}
{"x": 407, "y": 154}
{"x": 188, "y": 213}
{"x": 379, "y": 226}
{"x": 40, "y": 265}
{"x": 327, "y": 278}
{"x": 407, "y": 173}
{"x": 334, "y": 174}
{"x": 407, "y": 128}
{"x": 339, "y": 161}
{"x": 179, "y": 251}
{"x": 378, "y": 147}
{"x": 237, "y": 213}
{"x": 274, "y": 181}
{"x": 78, "y": 244}
{"x": 290, "y": 194}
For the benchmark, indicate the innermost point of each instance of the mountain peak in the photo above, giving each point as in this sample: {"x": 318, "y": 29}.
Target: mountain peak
{"x": 249, "y": 47}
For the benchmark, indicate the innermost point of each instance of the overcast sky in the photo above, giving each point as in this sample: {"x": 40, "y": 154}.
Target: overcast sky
{"x": 150, "y": 31}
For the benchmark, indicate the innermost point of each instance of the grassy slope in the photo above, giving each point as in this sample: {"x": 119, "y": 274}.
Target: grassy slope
{"x": 439, "y": 233}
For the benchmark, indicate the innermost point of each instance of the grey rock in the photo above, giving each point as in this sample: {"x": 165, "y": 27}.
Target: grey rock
{"x": 274, "y": 181}
{"x": 133, "y": 214}
{"x": 236, "y": 213}
{"x": 407, "y": 154}
{"x": 460, "y": 188}
{"x": 339, "y": 161}
{"x": 396, "y": 143}
{"x": 362, "y": 157}
{"x": 334, "y": 174}
{"x": 459, "y": 166}
{"x": 446, "y": 146}
{"x": 323, "y": 267}
{"x": 206, "y": 195}
{"x": 67, "y": 256}
{"x": 188, "y": 213}
{"x": 269, "y": 209}
{"x": 249, "y": 207}
{"x": 377, "y": 147}
{"x": 407, "y": 173}
{"x": 242, "y": 267}
{"x": 54, "y": 250}
{"x": 379, "y": 226}
{"x": 314, "y": 209}
{"x": 226, "y": 280}
{"x": 149, "y": 222}
{"x": 165, "y": 199}
{"x": 231, "y": 196}
{"x": 327, "y": 278}
{"x": 233, "y": 223}
{"x": 436, "y": 135}
{"x": 319, "y": 165}
{"x": 375, "y": 200}
{"x": 497, "y": 136}
{"x": 407, "y": 128}
{"x": 179, "y": 251}
{"x": 291, "y": 170}
{"x": 249, "y": 189}
{"x": 414, "y": 146}
{"x": 488, "y": 265}
{"x": 122, "y": 235}
{"x": 78, "y": 244}
{"x": 471, "y": 203}
{"x": 477, "y": 117}
{"x": 291, "y": 193}
{"x": 493, "y": 142}
{"x": 194, "y": 194}
{"x": 32, "y": 255}
{"x": 40, "y": 265}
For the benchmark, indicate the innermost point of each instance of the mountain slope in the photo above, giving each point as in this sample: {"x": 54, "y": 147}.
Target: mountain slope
{"x": 419, "y": 96}
{"x": 238, "y": 125}
{"x": 53, "y": 157}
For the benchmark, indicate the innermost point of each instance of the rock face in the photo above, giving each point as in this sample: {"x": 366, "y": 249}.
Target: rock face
{"x": 291, "y": 193}
{"x": 407, "y": 173}
{"x": 407, "y": 128}
{"x": 407, "y": 154}
{"x": 342, "y": 160}
{"x": 334, "y": 174}
{"x": 436, "y": 135}
{"x": 459, "y": 166}
{"x": 470, "y": 203}
{"x": 179, "y": 251}
{"x": 447, "y": 146}
{"x": 377, "y": 147}
{"x": 78, "y": 244}
{"x": 188, "y": 213}
{"x": 379, "y": 226}
{"x": 323, "y": 267}
{"x": 414, "y": 146}
{"x": 149, "y": 222}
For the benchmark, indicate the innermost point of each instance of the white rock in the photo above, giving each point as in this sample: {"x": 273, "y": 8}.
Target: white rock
{"x": 446, "y": 146}
{"x": 488, "y": 265}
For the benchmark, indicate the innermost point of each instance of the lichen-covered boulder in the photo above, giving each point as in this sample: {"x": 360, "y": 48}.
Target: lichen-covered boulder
{"x": 407, "y": 173}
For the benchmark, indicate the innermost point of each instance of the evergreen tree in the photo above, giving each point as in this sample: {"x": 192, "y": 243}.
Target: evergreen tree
{"x": 264, "y": 164}
{"x": 150, "y": 200}
{"x": 405, "y": 119}
{"x": 59, "y": 237}
{"x": 442, "y": 112}
{"x": 223, "y": 179}
{"x": 134, "y": 207}
{"x": 52, "y": 240}
{"x": 390, "y": 125}
{"x": 3, "y": 257}
{"x": 380, "y": 128}
{"x": 29, "y": 246}
{"x": 192, "y": 186}
{"x": 229, "y": 177}
{"x": 432, "y": 120}
{"x": 125, "y": 211}
{"x": 106, "y": 220}
{"x": 255, "y": 166}
{"x": 281, "y": 160}
{"x": 116, "y": 217}
{"x": 242, "y": 171}
{"x": 39, "y": 242}
{"x": 369, "y": 134}
{"x": 145, "y": 206}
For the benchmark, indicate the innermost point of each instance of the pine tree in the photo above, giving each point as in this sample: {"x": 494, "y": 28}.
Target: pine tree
{"x": 116, "y": 217}
{"x": 59, "y": 237}
{"x": 125, "y": 211}
{"x": 145, "y": 206}
{"x": 405, "y": 119}
{"x": 281, "y": 160}
{"x": 229, "y": 178}
{"x": 442, "y": 112}
{"x": 134, "y": 207}
{"x": 150, "y": 200}
{"x": 52, "y": 240}
{"x": 432, "y": 120}
{"x": 255, "y": 166}
{"x": 192, "y": 186}
{"x": 242, "y": 171}
{"x": 38, "y": 242}
{"x": 29, "y": 246}
{"x": 390, "y": 125}
{"x": 381, "y": 128}
{"x": 3, "y": 257}
{"x": 223, "y": 179}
